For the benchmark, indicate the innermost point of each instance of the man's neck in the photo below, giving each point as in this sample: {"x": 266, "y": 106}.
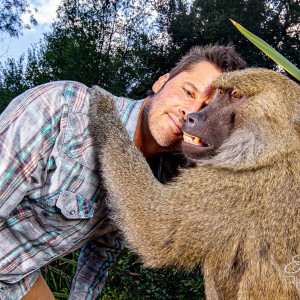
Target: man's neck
{"x": 143, "y": 138}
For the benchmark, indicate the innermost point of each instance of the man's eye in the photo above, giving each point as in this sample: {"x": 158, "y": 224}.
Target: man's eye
{"x": 222, "y": 92}
{"x": 189, "y": 93}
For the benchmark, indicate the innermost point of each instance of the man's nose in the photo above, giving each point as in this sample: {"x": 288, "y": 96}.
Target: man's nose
{"x": 192, "y": 108}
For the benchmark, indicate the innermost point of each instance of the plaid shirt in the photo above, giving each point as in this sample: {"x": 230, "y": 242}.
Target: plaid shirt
{"x": 50, "y": 198}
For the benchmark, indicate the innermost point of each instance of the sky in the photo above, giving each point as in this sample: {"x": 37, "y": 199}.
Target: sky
{"x": 15, "y": 47}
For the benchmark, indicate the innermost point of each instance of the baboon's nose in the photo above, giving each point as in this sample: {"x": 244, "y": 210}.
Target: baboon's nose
{"x": 194, "y": 118}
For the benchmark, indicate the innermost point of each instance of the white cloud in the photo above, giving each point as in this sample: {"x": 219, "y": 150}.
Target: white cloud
{"x": 11, "y": 47}
{"x": 46, "y": 11}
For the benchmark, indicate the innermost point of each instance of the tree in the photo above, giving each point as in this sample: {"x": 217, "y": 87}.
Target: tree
{"x": 11, "y": 12}
{"x": 207, "y": 22}
{"x": 100, "y": 42}
{"x": 177, "y": 29}
{"x": 12, "y": 80}
{"x": 284, "y": 27}
{"x": 108, "y": 43}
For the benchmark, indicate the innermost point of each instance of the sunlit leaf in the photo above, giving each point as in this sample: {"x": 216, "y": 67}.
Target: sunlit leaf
{"x": 268, "y": 50}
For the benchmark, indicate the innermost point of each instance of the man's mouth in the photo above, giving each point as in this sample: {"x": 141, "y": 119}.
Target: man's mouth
{"x": 194, "y": 140}
{"x": 176, "y": 124}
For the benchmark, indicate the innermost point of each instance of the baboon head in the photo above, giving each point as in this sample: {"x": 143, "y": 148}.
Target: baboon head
{"x": 241, "y": 124}
{"x": 204, "y": 132}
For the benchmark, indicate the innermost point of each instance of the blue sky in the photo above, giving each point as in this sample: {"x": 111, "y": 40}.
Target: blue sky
{"x": 14, "y": 47}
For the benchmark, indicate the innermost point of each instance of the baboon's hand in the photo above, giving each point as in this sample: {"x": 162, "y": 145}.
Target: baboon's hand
{"x": 104, "y": 121}
{"x": 101, "y": 101}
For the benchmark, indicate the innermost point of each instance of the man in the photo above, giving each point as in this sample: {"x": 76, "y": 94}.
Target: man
{"x": 50, "y": 199}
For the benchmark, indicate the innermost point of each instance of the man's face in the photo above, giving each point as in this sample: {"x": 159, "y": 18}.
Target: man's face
{"x": 185, "y": 93}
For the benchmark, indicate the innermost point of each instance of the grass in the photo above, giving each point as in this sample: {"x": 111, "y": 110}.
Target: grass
{"x": 128, "y": 280}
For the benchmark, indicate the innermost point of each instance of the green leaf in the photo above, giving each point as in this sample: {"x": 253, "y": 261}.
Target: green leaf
{"x": 69, "y": 261}
{"x": 60, "y": 295}
{"x": 268, "y": 50}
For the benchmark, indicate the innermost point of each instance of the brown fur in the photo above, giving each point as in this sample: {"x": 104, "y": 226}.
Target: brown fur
{"x": 236, "y": 214}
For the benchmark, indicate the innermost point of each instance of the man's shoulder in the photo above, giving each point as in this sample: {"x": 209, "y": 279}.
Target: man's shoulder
{"x": 53, "y": 90}
{"x": 120, "y": 101}
{"x": 62, "y": 85}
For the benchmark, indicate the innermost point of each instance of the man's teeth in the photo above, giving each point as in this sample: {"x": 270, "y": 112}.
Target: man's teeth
{"x": 193, "y": 140}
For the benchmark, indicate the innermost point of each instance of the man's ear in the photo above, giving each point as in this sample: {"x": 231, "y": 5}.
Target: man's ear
{"x": 160, "y": 82}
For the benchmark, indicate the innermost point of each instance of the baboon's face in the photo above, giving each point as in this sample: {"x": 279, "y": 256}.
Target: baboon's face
{"x": 204, "y": 132}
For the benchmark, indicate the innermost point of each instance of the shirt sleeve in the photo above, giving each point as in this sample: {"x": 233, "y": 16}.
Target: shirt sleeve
{"x": 95, "y": 259}
{"x": 28, "y": 128}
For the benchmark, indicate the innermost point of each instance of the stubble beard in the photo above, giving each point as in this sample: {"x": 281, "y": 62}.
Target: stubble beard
{"x": 156, "y": 119}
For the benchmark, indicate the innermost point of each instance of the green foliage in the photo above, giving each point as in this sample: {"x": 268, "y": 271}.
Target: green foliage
{"x": 207, "y": 22}
{"x": 128, "y": 280}
{"x": 59, "y": 275}
{"x": 12, "y": 81}
{"x": 11, "y": 12}
{"x": 99, "y": 42}
{"x": 268, "y": 50}
{"x": 116, "y": 45}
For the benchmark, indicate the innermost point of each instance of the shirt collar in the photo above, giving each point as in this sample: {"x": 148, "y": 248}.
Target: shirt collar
{"x": 129, "y": 111}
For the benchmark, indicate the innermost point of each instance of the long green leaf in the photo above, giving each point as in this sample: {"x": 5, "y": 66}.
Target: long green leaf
{"x": 268, "y": 50}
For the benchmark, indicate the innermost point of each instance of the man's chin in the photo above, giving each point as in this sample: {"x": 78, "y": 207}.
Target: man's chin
{"x": 168, "y": 146}
{"x": 165, "y": 136}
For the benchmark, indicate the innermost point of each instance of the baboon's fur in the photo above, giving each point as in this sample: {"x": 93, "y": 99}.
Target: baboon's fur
{"x": 236, "y": 214}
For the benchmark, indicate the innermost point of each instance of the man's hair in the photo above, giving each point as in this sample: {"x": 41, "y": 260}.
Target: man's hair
{"x": 223, "y": 57}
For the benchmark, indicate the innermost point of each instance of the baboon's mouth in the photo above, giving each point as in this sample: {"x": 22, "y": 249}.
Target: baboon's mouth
{"x": 194, "y": 140}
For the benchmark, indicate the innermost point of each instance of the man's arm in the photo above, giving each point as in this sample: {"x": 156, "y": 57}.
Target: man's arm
{"x": 28, "y": 128}
{"x": 96, "y": 258}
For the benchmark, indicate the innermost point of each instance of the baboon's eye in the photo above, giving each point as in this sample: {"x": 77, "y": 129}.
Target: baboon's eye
{"x": 222, "y": 92}
{"x": 236, "y": 95}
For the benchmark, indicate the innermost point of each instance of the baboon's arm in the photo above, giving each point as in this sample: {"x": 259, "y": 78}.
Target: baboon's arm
{"x": 158, "y": 220}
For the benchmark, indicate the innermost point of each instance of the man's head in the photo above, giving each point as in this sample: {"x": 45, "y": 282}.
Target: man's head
{"x": 186, "y": 89}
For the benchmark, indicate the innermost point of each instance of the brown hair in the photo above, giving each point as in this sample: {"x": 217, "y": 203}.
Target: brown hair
{"x": 224, "y": 57}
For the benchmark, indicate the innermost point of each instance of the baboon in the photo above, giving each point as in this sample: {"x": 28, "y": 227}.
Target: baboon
{"x": 236, "y": 214}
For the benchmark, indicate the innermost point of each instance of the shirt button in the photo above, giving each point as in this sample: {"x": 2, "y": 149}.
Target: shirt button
{"x": 72, "y": 212}
{"x": 45, "y": 213}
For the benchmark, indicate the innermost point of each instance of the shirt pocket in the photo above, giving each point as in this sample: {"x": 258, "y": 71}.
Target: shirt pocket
{"x": 65, "y": 211}
{"x": 77, "y": 142}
